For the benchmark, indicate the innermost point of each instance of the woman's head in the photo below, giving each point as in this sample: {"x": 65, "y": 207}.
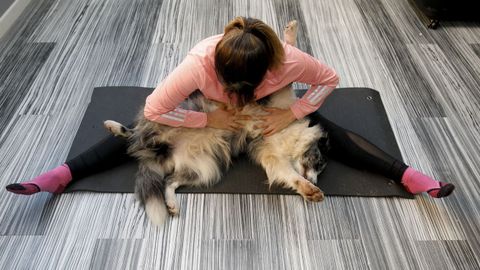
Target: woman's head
{"x": 247, "y": 50}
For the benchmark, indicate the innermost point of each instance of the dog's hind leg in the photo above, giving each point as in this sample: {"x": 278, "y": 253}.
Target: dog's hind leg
{"x": 117, "y": 129}
{"x": 281, "y": 171}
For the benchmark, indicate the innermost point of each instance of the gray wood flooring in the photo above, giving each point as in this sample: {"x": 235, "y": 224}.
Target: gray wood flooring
{"x": 59, "y": 50}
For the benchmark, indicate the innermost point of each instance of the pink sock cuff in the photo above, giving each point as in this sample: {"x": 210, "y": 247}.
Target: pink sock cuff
{"x": 407, "y": 174}
{"x": 68, "y": 171}
{"x": 53, "y": 181}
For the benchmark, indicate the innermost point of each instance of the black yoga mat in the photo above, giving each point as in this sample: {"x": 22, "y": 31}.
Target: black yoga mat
{"x": 358, "y": 109}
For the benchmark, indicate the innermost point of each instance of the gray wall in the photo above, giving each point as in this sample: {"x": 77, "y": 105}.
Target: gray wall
{"x": 4, "y": 5}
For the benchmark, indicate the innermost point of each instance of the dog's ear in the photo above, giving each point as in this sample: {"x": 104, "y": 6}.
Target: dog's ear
{"x": 314, "y": 118}
{"x": 324, "y": 145}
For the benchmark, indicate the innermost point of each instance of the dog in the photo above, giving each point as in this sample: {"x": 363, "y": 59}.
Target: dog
{"x": 170, "y": 157}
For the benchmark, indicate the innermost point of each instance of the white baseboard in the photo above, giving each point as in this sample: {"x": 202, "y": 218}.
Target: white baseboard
{"x": 11, "y": 14}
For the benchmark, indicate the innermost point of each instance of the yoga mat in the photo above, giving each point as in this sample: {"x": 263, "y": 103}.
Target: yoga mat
{"x": 357, "y": 109}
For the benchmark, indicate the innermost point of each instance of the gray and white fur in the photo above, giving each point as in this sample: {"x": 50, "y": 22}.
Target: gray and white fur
{"x": 170, "y": 157}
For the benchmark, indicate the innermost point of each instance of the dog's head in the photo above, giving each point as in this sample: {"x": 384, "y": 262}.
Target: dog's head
{"x": 324, "y": 144}
{"x": 313, "y": 161}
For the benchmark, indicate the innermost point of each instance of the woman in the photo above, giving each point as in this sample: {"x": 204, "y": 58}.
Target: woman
{"x": 245, "y": 64}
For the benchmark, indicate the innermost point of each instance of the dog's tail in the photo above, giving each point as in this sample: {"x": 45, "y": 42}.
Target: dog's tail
{"x": 149, "y": 189}
{"x": 118, "y": 129}
{"x": 156, "y": 210}
{"x": 149, "y": 184}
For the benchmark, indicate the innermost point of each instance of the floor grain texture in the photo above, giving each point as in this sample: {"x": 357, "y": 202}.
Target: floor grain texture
{"x": 58, "y": 51}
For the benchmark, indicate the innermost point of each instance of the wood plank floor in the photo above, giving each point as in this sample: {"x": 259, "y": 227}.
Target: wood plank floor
{"x": 59, "y": 50}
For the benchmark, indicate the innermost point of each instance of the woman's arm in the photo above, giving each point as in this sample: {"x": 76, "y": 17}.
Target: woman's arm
{"x": 162, "y": 105}
{"x": 322, "y": 78}
{"x": 306, "y": 69}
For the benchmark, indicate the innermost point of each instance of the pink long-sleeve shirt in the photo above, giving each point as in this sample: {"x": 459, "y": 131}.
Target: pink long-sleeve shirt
{"x": 197, "y": 72}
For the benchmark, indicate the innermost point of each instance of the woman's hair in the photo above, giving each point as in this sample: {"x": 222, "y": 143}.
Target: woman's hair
{"x": 247, "y": 50}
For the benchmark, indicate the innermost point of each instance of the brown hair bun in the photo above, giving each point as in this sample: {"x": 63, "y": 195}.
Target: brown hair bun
{"x": 247, "y": 50}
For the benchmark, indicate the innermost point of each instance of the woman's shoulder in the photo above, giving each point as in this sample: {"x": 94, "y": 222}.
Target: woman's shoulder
{"x": 206, "y": 46}
{"x": 296, "y": 60}
{"x": 293, "y": 55}
{"x": 292, "y": 63}
{"x": 204, "y": 53}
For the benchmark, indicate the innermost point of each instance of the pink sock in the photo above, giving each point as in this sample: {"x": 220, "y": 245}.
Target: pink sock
{"x": 53, "y": 181}
{"x": 416, "y": 182}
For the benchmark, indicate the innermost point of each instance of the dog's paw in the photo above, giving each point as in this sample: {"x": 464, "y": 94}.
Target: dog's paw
{"x": 309, "y": 191}
{"x": 116, "y": 128}
{"x": 173, "y": 208}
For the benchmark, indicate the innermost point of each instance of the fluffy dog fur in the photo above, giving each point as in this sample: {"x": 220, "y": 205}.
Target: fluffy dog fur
{"x": 173, "y": 157}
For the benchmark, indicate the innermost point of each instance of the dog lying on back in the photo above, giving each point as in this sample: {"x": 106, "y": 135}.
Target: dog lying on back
{"x": 170, "y": 157}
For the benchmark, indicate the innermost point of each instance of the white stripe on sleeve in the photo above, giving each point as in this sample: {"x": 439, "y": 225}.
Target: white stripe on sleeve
{"x": 314, "y": 100}
{"x": 172, "y": 117}
{"x": 313, "y": 95}
{"x": 176, "y": 115}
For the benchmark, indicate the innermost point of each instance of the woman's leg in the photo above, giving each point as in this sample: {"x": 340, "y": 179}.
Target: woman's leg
{"x": 354, "y": 150}
{"x": 108, "y": 153}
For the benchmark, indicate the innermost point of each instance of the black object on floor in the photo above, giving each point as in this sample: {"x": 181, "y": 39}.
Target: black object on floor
{"x": 357, "y": 109}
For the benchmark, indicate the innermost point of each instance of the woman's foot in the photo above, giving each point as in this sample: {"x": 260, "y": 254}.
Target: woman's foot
{"x": 416, "y": 182}
{"x": 290, "y": 33}
{"x": 53, "y": 181}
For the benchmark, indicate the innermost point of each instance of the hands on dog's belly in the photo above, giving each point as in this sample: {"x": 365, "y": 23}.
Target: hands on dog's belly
{"x": 256, "y": 120}
{"x": 276, "y": 120}
{"x": 226, "y": 119}
{"x": 264, "y": 121}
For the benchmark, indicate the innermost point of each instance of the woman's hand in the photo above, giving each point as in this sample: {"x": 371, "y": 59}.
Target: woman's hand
{"x": 276, "y": 120}
{"x": 226, "y": 119}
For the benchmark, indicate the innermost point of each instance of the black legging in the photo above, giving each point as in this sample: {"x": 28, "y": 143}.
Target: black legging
{"x": 353, "y": 150}
{"x": 107, "y": 153}
{"x": 345, "y": 146}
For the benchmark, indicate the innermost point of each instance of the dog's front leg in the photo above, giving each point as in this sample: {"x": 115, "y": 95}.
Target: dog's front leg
{"x": 280, "y": 171}
{"x": 171, "y": 198}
